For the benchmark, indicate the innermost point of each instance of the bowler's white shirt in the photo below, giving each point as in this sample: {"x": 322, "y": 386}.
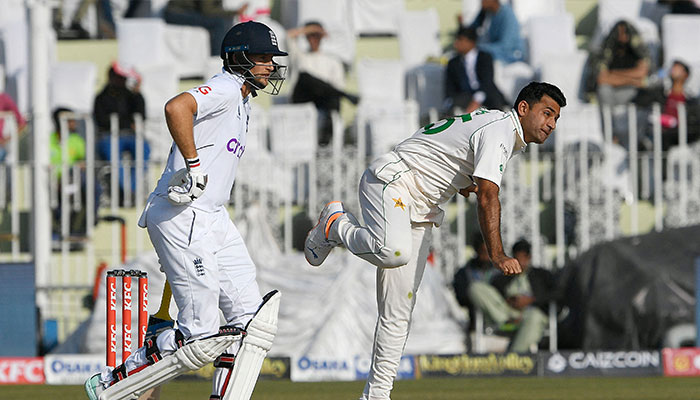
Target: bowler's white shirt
{"x": 474, "y": 145}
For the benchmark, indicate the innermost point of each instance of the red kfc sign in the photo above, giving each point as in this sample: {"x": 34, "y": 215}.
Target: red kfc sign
{"x": 21, "y": 370}
{"x": 682, "y": 362}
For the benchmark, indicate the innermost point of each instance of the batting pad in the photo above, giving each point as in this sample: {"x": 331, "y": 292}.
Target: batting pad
{"x": 191, "y": 356}
{"x": 260, "y": 334}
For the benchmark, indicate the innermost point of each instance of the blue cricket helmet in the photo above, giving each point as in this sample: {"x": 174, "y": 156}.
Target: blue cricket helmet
{"x": 252, "y": 37}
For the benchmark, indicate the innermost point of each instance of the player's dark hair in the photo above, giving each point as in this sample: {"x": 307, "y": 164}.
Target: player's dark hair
{"x": 467, "y": 32}
{"x": 533, "y": 92}
{"x": 522, "y": 245}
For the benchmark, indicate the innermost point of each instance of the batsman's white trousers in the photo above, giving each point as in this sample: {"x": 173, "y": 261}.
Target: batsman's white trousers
{"x": 399, "y": 247}
{"x": 207, "y": 264}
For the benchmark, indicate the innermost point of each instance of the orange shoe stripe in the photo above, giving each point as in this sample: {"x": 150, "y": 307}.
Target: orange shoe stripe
{"x": 332, "y": 219}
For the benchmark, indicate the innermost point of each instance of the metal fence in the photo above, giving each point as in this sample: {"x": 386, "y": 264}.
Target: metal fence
{"x": 563, "y": 198}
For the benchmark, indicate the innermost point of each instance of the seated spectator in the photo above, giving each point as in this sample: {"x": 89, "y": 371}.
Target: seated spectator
{"x": 321, "y": 78}
{"x": 622, "y": 66}
{"x": 515, "y": 304}
{"x": 499, "y": 32}
{"x": 670, "y": 99}
{"x": 527, "y": 295}
{"x": 208, "y": 14}
{"x": 679, "y": 74}
{"x": 469, "y": 78}
{"x": 117, "y": 97}
{"x": 477, "y": 269}
{"x": 76, "y": 156}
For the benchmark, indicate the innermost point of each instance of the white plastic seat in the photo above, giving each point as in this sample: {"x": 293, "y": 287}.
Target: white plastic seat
{"x": 158, "y": 85}
{"x": 581, "y": 123}
{"x": 73, "y": 86}
{"x": 550, "y": 35}
{"x": 371, "y": 17}
{"x": 147, "y": 42}
{"x": 566, "y": 72}
{"x": 426, "y": 85}
{"x": 524, "y": 10}
{"x": 381, "y": 79}
{"x": 385, "y": 124}
{"x": 511, "y": 78}
{"x": 419, "y": 36}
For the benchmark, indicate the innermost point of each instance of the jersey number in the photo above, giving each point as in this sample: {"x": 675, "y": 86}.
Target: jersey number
{"x": 443, "y": 124}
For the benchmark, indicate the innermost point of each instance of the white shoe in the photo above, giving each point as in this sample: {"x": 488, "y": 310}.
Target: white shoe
{"x": 93, "y": 387}
{"x": 317, "y": 246}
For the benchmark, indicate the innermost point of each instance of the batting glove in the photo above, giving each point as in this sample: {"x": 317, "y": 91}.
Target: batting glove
{"x": 187, "y": 184}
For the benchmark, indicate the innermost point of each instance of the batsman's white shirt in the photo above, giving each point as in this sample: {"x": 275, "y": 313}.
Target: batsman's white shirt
{"x": 220, "y": 134}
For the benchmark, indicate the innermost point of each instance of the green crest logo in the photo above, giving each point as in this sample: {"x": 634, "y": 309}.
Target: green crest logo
{"x": 500, "y": 167}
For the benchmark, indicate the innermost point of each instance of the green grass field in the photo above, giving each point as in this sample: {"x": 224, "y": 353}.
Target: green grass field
{"x": 423, "y": 389}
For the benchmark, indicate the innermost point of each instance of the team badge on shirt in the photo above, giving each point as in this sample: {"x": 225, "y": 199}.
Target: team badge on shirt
{"x": 198, "y": 266}
{"x": 399, "y": 203}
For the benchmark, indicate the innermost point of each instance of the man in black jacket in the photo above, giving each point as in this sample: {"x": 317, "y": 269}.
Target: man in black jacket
{"x": 469, "y": 80}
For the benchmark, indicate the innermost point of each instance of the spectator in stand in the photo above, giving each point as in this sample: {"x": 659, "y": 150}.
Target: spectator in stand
{"x": 478, "y": 269}
{"x": 515, "y": 304}
{"x": 7, "y": 104}
{"x": 321, "y": 77}
{"x": 499, "y": 32}
{"x": 126, "y": 101}
{"x": 529, "y": 295}
{"x": 469, "y": 79}
{"x": 623, "y": 65}
{"x": 208, "y": 14}
{"x": 105, "y": 20}
{"x": 76, "y": 156}
{"x": 670, "y": 99}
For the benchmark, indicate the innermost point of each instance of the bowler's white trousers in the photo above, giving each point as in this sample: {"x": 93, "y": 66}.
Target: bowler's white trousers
{"x": 399, "y": 248}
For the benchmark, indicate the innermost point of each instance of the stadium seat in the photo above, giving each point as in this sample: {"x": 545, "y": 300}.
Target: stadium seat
{"x": 526, "y": 9}
{"x": 566, "y": 71}
{"x": 581, "y": 124}
{"x": 293, "y": 141}
{"x": 383, "y": 125}
{"x": 511, "y": 78}
{"x": 419, "y": 36}
{"x": 426, "y": 85}
{"x": 370, "y": 17}
{"x": 158, "y": 85}
{"x": 147, "y": 42}
{"x": 550, "y": 35}
{"x": 381, "y": 80}
{"x": 470, "y": 9}
{"x": 73, "y": 86}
